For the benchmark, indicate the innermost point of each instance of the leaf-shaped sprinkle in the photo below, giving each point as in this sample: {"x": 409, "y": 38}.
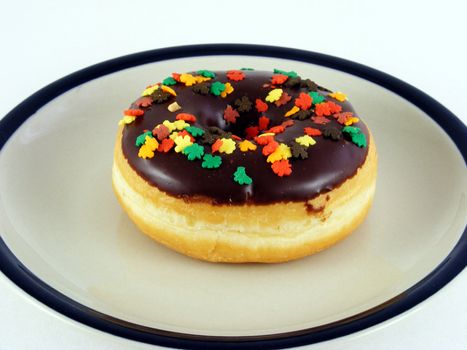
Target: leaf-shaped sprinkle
{"x": 230, "y": 114}
{"x": 194, "y": 151}
{"x": 194, "y": 131}
{"x": 282, "y": 168}
{"x": 241, "y": 177}
{"x": 299, "y": 151}
{"x": 317, "y": 97}
{"x": 142, "y": 138}
{"x": 206, "y": 73}
{"x": 211, "y": 162}
{"x": 217, "y": 88}
{"x": 243, "y": 104}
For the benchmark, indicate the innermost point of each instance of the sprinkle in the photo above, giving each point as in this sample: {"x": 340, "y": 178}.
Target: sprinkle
{"x": 285, "y": 97}
{"x": 356, "y": 135}
{"x": 166, "y": 145}
{"x": 322, "y": 109}
{"x": 251, "y": 132}
{"x": 261, "y": 106}
{"x": 230, "y": 114}
{"x": 182, "y": 143}
{"x": 161, "y": 132}
{"x": 246, "y": 146}
{"x": 303, "y": 101}
{"x": 292, "y": 111}
{"x": 216, "y": 146}
{"x": 145, "y": 101}
{"x": 298, "y": 151}
{"x": 160, "y": 96}
{"x": 151, "y": 142}
{"x": 169, "y": 125}
{"x": 133, "y": 112}
{"x": 290, "y": 74}
{"x": 228, "y": 146}
{"x": 211, "y": 162}
{"x": 263, "y": 122}
{"x": 320, "y": 120}
{"x": 305, "y": 140}
{"x": 216, "y": 88}
{"x": 169, "y": 90}
{"x": 243, "y": 104}
{"x": 202, "y": 88}
{"x": 334, "y": 107}
{"x": 279, "y": 79}
{"x": 169, "y": 81}
{"x": 247, "y": 69}
{"x": 270, "y": 148}
{"x": 293, "y": 82}
{"x": 176, "y": 76}
{"x": 282, "y": 168}
{"x": 145, "y": 152}
{"x": 312, "y": 131}
{"x": 274, "y": 95}
{"x": 206, "y": 73}
{"x": 150, "y": 90}
{"x": 194, "y": 131}
{"x": 264, "y": 139}
{"x": 332, "y": 132}
{"x": 141, "y": 139}
{"x": 188, "y": 79}
{"x": 200, "y": 79}
{"x": 343, "y": 117}
{"x": 186, "y": 117}
{"x": 287, "y": 123}
{"x": 173, "y": 107}
{"x": 274, "y": 157}
{"x": 194, "y": 151}
{"x": 228, "y": 90}
{"x": 235, "y": 75}
{"x": 339, "y": 96}
{"x": 317, "y": 97}
{"x": 180, "y": 124}
{"x": 310, "y": 85}
{"x": 127, "y": 119}
{"x": 281, "y": 152}
{"x": 352, "y": 120}
{"x": 241, "y": 177}
{"x": 302, "y": 115}
{"x": 276, "y": 129}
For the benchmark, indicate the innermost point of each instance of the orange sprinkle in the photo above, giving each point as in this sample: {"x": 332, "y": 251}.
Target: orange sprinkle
{"x": 279, "y": 79}
{"x": 270, "y": 148}
{"x": 133, "y": 112}
{"x": 261, "y": 106}
{"x": 186, "y": 117}
{"x": 166, "y": 145}
{"x": 264, "y": 140}
{"x": 277, "y": 129}
{"x": 312, "y": 132}
{"x": 216, "y": 145}
{"x": 263, "y": 122}
{"x": 282, "y": 167}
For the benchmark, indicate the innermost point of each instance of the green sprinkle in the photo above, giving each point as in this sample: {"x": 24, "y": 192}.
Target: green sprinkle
{"x": 169, "y": 81}
{"x": 194, "y": 151}
{"x": 217, "y": 88}
{"x": 317, "y": 98}
{"x": 290, "y": 74}
{"x": 356, "y": 135}
{"x": 247, "y": 69}
{"x": 194, "y": 131}
{"x": 241, "y": 177}
{"x": 211, "y": 162}
{"x": 206, "y": 73}
{"x": 141, "y": 139}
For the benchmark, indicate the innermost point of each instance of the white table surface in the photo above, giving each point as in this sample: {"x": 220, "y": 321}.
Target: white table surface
{"x": 421, "y": 42}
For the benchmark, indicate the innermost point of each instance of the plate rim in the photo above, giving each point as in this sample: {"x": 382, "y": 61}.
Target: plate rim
{"x": 449, "y": 268}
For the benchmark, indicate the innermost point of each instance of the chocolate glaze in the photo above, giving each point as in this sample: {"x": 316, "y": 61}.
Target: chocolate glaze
{"x": 328, "y": 165}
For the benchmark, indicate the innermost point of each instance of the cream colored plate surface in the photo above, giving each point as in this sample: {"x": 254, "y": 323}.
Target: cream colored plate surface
{"x": 59, "y": 216}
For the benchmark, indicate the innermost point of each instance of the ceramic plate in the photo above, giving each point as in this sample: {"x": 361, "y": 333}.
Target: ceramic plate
{"x": 66, "y": 241}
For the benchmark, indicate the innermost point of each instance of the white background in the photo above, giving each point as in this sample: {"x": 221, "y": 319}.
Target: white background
{"x": 421, "y": 42}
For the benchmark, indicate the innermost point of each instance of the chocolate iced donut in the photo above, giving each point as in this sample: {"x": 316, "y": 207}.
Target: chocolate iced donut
{"x": 244, "y": 165}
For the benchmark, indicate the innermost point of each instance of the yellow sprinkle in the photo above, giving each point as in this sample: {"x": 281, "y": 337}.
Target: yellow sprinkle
{"x": 173, "y": 107}
{"x": 180, "y": 124}
{"x": 284, "y": 151}
{"x": 266, "y": 134}
{"x": 305, "y": 140}
{"x": 201, "y": 79}
{"x": 274, "y": 95}
{"x": 169, "y": 125}
{"x": 188, "y": 79}
{"x": 228, "y": 146}
{"x": 292, "y": 111}
{"x": 228, "y": 90}
{"x": 182, "y": 143}
{"x": 169, "y": 90}
{"x": 145, "y": 152}
{"x": 127, "y": 119}
{"x": 339, "y": 96}
{"x": 246, "y": 146}
{"x": 274, "y": 156}
{"x": 173, "y": 135}
{"x": 150, "y": 89}
{"x": 151, "y": 143}
{"x": 352, "y": 120}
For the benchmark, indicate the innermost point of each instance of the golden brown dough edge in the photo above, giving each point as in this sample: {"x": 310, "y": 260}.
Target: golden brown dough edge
{"x": 218, "y": 233}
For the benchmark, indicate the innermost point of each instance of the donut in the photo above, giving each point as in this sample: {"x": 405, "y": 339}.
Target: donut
{"x": 244, "y": 165}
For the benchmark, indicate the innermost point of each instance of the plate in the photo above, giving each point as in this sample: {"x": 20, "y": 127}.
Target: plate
{"x": 66, "y": 241}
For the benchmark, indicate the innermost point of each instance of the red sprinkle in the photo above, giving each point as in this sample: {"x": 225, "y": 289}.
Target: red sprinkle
{"x": 279, "y": 79}
{"x": 176, "y": 76}
{"x": 282, "y": 167}
{"x": 303, "y": 101}
{"x": 261, "y": 106}
{"x": 251, "y": 132}
{"x": 235, "y": 75}
{"x": 277, "y": 129}
{"x": 322, "y": 109}
{"x": 145, "y": 101}
{"x": 312, "y": 132}
{"x": 161, "y": 132}
{"x": 235, "y": 137}
{"x": 263, "y": 122}
{"x": 184, "y": 133}
{"x": 216, "y": 145}
{"x": 320, "y": 120}
{"x": 264, "y": 140}
{"x": 287, "y": 123}
{"x": 334, "y": 107}
{"x": 270, "y": 147}
{"x": 133, "y": 112}
{"x": 186, "y": 117}
{"x": 166, "y": 145}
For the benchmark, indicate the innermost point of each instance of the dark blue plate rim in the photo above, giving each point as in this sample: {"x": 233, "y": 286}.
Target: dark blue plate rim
{"x": 450, "y": 267}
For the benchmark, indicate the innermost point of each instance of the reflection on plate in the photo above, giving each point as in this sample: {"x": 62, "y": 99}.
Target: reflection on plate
{"x": 65, "y": 240}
